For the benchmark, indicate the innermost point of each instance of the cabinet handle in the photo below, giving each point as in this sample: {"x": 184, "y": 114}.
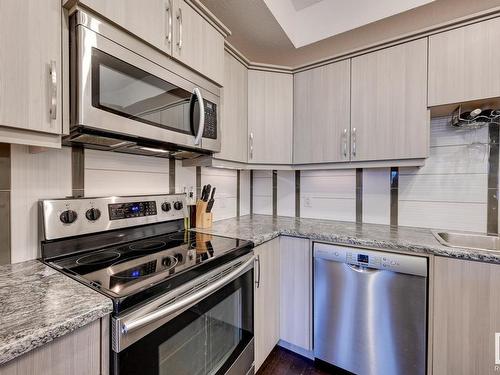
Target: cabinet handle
{"x": 257, "y": 266}
{"x": 53, "y": 90}
{"x": 251, "y": 145}
{"x": 353, "y": 141}
{"x": 179, "y": 19}
{"x": 169, "y": 16}
{"x": 345, "y": 143}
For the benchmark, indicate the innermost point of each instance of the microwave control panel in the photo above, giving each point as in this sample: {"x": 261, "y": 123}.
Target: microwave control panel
{"x": 210, "y": 130}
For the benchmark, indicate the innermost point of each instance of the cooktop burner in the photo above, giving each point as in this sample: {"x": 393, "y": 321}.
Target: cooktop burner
{"x": 97, "y": 258}
{"x": 148, "y": 246}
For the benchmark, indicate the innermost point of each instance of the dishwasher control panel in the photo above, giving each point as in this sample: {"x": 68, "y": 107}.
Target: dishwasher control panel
{"x": 371, "y": 258}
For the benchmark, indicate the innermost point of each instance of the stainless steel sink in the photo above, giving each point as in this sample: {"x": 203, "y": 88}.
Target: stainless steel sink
{"x": 468, "y": 240}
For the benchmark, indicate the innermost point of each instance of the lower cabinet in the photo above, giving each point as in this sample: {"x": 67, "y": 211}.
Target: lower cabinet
{"x": 466, "y": 317}
{"x": 82, "y": 352}
{"x": 296, "y": 292}
{"x": 267, "y": 300}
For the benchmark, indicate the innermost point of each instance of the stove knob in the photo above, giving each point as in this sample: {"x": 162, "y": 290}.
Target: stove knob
{"x": 93, "y": 214}
{"x": 68, "y": 216}
{"x": 166, "y": 206}
{"x": 166, "y": 262}
{"x": 178, "y": 205}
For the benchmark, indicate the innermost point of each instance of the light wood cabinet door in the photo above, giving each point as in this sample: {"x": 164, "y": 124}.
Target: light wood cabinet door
{"x": 267, "y": 300}
{"x": 77, "y": 353}
{"x": 389, "y": 116}
{"x": 197, "y": 43}
{"x": 296, "y": 292}
{"x": 466, "y": 317}
{"x": 463, "y": 63}
{"x": 30, "y": 65}
{"x": 152, "y": 22}
{"x": 234, "y": 111}
{"x": 270, "y": 112}
{"x": 321, "y": 123}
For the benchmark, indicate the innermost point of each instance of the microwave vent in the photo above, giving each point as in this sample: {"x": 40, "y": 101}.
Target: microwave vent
{"x": 100, "y": 141}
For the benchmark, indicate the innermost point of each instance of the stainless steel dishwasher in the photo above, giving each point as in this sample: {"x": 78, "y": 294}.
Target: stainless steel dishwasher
{"x": 370, "y": 310}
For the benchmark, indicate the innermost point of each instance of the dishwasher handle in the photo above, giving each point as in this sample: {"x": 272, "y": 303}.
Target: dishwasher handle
{"x": 362, "y": 269}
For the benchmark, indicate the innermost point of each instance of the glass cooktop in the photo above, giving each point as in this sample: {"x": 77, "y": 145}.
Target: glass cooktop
{"x": 120, "y": 271}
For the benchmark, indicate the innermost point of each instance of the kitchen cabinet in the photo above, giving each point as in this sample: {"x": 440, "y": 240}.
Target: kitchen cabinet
{"x": 270, "y": 112}
{"x": 197, "y": 43}
{"x": 296, "y": 292}
{"x": 234, "y": 111}
{"x": 152, "y": 23}
{"x": 174, "y": 27}
{"x": 267, "y": 300}
{"x": 82, "y": 352}
{"x": 321, "y": 123}
{"x": 463, "y": 63}
{"x": 389, "y": 116}
{"x": 466, "y": 317}
{"x": 30, "y": 70}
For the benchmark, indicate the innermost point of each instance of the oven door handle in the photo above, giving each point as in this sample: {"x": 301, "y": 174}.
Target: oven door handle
{"x": 192, "y": 299}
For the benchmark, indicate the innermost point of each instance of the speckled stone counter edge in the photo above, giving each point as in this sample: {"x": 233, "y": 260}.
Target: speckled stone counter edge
{"x": 37, "y": 338}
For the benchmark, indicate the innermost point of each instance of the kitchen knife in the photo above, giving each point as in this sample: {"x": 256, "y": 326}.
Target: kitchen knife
{"x": 207, "y": 193}
{"x": 203, "y": 192}
{"x": 211, "y": 202}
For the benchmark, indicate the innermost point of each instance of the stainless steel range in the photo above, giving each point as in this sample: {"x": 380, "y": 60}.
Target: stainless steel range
{"x": 183, "y": 301}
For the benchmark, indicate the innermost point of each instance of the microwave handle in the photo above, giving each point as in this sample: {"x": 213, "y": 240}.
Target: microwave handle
{"x": 129, "y": 326}
{"x": 201, "y": 128}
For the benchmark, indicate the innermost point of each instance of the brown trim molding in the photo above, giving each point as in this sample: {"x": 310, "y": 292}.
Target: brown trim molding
{"x": 78, "y": 171}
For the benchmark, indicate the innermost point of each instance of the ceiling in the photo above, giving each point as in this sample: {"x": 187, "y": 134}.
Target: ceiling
{"x": 257, "y": 33}
{"x": 306, "y": 22}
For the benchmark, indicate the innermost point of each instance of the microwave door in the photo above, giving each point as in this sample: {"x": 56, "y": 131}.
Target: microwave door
{"x": 121, "y": 92}
{"x": 204, "y": 124}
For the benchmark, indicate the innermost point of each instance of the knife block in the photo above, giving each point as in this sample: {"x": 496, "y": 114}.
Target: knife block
{"x": 203, "y": 219}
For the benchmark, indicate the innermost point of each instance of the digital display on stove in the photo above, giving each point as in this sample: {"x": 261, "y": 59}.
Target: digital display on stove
{"x": 363, "y": 258}
{"x": 118, "y": 211}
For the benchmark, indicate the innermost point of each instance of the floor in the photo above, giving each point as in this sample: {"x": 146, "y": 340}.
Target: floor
{"x": 284, "y": 362}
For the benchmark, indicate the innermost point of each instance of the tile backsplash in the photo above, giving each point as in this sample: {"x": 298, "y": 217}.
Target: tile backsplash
{"x": 449, "y": 192}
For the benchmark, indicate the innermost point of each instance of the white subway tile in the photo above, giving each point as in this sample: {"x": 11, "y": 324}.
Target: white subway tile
{"x": 286, "y": 193}
{"x": 376, "y": 196}
{"x": 328, "y": 208}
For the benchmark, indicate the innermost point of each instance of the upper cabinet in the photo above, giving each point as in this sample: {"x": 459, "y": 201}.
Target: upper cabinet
{"x": 270, "y": 112}
{"x": 173, "y": 26}
{"x": 389, "y": 116}
{"x": 30, "y": 69}
{"x": 152, "y": 23}
{"x": 197, "y": 43}
{"x": 234, "y": 111}
{"x": 463, "y": 63}
{"x": 321, "y": 123}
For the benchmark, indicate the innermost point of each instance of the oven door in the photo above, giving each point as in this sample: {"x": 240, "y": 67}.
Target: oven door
{"x": 117, "y": 91}
{"x": 205, "y": 327}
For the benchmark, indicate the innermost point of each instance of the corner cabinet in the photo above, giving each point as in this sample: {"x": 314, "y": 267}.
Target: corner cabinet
{"x": 267, "y": 299}
{"x": 321, "y": 124}
{"x": 389, "y": 116}
{"x": 30, "y": 72}
{"x": 270, "y": 117}
{"x": 234, "y": 124}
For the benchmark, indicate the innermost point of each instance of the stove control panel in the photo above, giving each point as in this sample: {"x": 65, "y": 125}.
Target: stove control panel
{"x": 73, "y": 217}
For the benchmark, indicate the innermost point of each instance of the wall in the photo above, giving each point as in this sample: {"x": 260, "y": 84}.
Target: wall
{"x": 449, "y": 192}
{"x": 47, "y": 174}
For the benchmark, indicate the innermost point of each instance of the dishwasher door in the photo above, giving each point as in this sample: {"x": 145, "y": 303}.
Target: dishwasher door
{"x": 370, "y": 310}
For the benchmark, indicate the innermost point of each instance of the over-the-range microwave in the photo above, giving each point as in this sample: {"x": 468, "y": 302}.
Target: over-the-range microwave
{"x": 122, "y": 101}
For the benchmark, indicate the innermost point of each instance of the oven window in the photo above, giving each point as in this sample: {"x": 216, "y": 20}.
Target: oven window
{"x": 206, "y": 343}
{"x": 128, "y": 91}
{"x": 205, "y": 339}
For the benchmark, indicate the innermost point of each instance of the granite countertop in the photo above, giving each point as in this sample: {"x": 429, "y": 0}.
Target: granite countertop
{"x": 262, "y": 228}
{"x": 39, "y": 304}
